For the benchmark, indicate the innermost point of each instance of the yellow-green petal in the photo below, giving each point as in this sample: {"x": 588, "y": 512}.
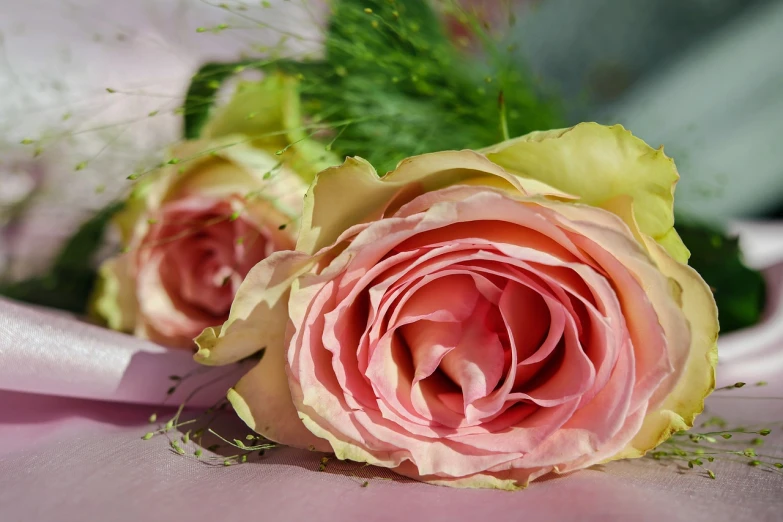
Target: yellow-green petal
{"x": 114, "y": 297}
{"x": 599, "y": 163}
{"x": 339, "y": 198}
{"x": 263, "y": 401}
{"x": 236, "y": 166}
{"x": 127, "y": 218}
{"x": 268, "y": 112}
{"x": 363, "y": 196}
{"x": 674, "y": 246}
{"x": 267, "y": 109}
{"x": 686, "y": 401}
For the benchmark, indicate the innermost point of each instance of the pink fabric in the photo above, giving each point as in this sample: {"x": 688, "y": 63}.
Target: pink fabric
{"x": 757, "y": 352}
{"x": 53, "y": 353}
{"x": 66, "y": 456}
{"x": 77, "y": 461}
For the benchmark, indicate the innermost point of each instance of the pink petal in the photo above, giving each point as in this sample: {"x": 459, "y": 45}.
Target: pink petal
{"x": 476, "y": 363}
{"x": 429, "y": 342}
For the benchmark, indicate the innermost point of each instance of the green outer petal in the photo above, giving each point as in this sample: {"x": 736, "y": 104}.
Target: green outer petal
{"x": 269, "y": 112}
{"x": 114, "y": 297}
{"x": 599, "y": 163}
{"x": 134, "y": 208}
{"x": 360, "y": 193}
{"x": 264, "y": 109}
{"x": 674, "y": 246}
{"x": 263, "y": 401}
{"x": 342, "y": 450}
{"x": 364, "y": 197}
{"x": 686, "y": 401}
{"x": 511, "y": 480}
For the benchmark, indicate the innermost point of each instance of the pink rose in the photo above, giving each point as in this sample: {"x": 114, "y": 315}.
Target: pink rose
{"x": 194, "y": 228}
{"x": 464, "y": 322}
{"x": 191, "y": 237}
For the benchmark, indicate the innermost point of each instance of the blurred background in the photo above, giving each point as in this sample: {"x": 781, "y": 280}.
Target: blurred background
{"x": 702, "y": 77}
{"x": 91, "y": 90}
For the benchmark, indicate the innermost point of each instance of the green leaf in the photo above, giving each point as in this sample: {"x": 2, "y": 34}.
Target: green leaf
{"x": 201, "y": 96}
{"x": 395, "y": 86}
{"x": 739, "y": 291}
{"x": 68, "y": 284}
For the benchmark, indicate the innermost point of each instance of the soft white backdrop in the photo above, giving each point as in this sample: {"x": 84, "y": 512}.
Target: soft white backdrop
{"x": 59, "y": 57}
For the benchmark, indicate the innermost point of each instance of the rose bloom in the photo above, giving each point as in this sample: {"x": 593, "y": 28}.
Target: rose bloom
{"x": 480, "y": 319}
{"x": 193, "y": 229}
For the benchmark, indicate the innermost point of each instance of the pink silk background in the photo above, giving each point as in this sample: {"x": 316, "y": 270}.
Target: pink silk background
{"x": 75, "y": 398}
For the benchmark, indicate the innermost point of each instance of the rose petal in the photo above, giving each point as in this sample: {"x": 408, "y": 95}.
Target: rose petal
{"x": 593, "y": 162}
{"x": 259, "y": 312}
{"x": 365, "y": 197}
{"x": 686, "y": 400}
{"x": 263, "y": 401}
{"x": 476, "y": 363}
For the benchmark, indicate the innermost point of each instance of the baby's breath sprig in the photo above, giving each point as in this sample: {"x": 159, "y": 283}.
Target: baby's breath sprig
{"x": 246, "y": 450}
{"x": 189, "y": 437}
{"x": 698, "y": 449}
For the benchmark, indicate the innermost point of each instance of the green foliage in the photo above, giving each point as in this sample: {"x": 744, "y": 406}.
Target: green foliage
{"x": 392, "y": 85}
{"x": 739, "y": 291}
{"x": 68, "y": 284}
{"x": 201, "y": 95}
{"x": 401, "y": 87}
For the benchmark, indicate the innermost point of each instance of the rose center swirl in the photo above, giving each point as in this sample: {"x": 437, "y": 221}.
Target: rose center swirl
{"x": 461, "y": 334}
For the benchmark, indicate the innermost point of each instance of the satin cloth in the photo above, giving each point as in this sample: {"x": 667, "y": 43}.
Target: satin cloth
{"x": 75, "y": 399}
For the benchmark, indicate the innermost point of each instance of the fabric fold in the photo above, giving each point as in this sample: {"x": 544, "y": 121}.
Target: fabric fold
{"x": 49, "y": 352}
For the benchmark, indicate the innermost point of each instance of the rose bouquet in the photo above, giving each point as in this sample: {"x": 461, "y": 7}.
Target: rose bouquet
{"x": 431, "y": 278}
